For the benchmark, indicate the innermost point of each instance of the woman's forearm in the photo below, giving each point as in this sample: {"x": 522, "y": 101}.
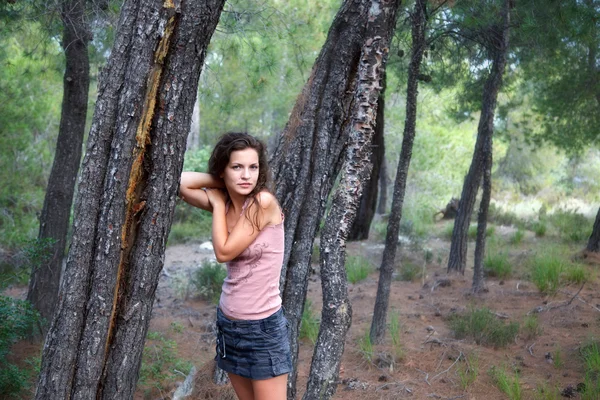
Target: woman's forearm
{"x": 198, "y": 180}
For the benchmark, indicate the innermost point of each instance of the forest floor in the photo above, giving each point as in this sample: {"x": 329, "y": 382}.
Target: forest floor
{"x": 433, "y": 363}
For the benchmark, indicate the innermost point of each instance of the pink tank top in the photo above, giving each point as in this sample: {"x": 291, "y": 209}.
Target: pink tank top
{"x": 251, "y": 288}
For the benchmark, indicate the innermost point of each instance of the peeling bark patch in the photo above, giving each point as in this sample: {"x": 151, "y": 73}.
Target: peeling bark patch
{"x": 138, "y": 175}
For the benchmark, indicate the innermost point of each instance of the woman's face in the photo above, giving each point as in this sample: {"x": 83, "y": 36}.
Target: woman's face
{"x": 241, "y": 173}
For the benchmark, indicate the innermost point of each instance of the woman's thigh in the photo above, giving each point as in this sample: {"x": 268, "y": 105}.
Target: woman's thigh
{"x": 270, "y": 389}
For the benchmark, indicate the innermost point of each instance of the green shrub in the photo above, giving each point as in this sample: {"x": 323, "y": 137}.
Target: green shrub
{"x": 309, "y": 326}
{"x": 517, "y": 237}
{"x": 544, "y": 392}
{"x": 19, "y": 319}
{"x": 160, "y": 363}
{"x": 409, "y": 272}
{"x": 396, "y": 335}
{"x": 190, "y": 224}
{"x": 496, "y": 264}
{"x": 510, "y": 385}
{"x": 484, "y": 327}
{"x": 546, "y": 269}
{"x": 557, "y": 359}
{"x": 208, "y": 280}
{"x": 357, "y": 268}
{"x": 366, "y": 347}
{"x": 472, "y": 234}
{"x": 379, "y": 230}
{"x": 591, "y": 360}
{"x": 570, "y": 225}
{"x": 500, "y": 217}
{"x": 315, "y": 257}
{"x": 468, "y": 370}
{"x": 531, "y": 327}
{"x": 576, "y": 274}
{"x": 540, "y": 228}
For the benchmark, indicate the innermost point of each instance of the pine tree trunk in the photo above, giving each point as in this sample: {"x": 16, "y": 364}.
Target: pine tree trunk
{"x": 419, "y": 26}
{"x": 594, "y": 240}
{"x": 383, "y": 183}
{"x": 478, "y": 277}
{"x": 497, "y": 47}
{"x": 336, "y": 314}
{"x": 56, "y": 212}
{"x": 307, "y": 157}
{"x": 368, "y": 201}
{"x": 126, "y": 200}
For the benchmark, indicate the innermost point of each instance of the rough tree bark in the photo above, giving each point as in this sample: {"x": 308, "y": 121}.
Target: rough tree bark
{"x": 56, "y": 212}
{"x": 368, "y": 201}
{"x": 336, "y": 314}
{"x": 593, "y": 244}
{"x": 497, "y": 47}
{"x": 307, "y": 157}
{"x": 419, "y": 25}
{"x": 126, "y": 199}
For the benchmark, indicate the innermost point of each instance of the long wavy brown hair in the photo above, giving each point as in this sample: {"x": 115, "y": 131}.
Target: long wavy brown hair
{"x": 219, "y": 159}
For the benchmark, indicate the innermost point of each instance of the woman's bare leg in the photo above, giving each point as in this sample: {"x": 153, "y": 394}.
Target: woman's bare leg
{"x": 270, "y": 389}
{"x": 242, "y": 386}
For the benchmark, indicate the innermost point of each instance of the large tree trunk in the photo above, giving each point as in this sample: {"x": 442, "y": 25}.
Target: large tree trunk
{"x": 594, "y": 240}
{"x": 419, "y": 25}
{"x": 497, "y": 47}
{"x": 368, "y": 201}
{"x": 54, "y": 221}
{"x": 336, "y": 314}
{"x": 126, "y": 199}
{"x": 307, "y": 157}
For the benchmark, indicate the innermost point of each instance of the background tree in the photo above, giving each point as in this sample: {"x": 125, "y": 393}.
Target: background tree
{"x": 126, "y": 200}
{"x": 418, "y": 20}
{"x": 54, "y": 220}
{"x": 491, "y": 34}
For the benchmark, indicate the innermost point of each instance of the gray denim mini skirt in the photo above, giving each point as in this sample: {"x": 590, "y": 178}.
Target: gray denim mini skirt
{"x": 254, "y": 349}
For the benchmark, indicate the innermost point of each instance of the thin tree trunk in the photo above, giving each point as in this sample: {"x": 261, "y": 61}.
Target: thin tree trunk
{"x": 126, "y": 200}
{"x": 484, "y": 205}
{"x": 54, "y": 220}
{"x": 419, "y": 26}
{"x": 368, "y": 201}
{"x": 383, "y": 183}
{"x": 594, "y": 240}
{"x": 336, "y": 314}
{"x": 497, "y": 47}
{"x": 307, "y": 157}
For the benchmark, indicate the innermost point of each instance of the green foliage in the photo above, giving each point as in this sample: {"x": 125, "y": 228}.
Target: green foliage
{"x": 396, "y": 335}
{"x": 379, "y": 230}
{"x": 576, "y": 274}
{"x": 19, "y": 320}
{"x": 30, "y": 94}
{"x": 484, "y": 327}
{"x": 546, "y": 269}
{"x": 366, "y": 347}
{"x": 540, "y": 228}
{"x": 557, "y": 358}
{"x": 309, "y": 326}
{"x": 315, "y": 257}
{"x": 472, "y": 233}
{"x": 517, "y": 237}
{"x": 591, "y": 361}
{"x": 543, "y": 392}
{"x": 570, "y": 225}
{"x": 468, "y": 370}
{"x": 357, "y": 268}
{"x": 36, "y": 252}
{"x": 408, "y": 272}
{"x": 496, "y": 264}
{"x": 509, "y": 385}
{"x": 197, "y": 159}
{"x": 208, "y": 280}
{"x": 498, "y": 216}
{"x": 531, "y": 327}
{"x": 176, "y": 327}
{"x": 160, "y": 363}
{"x": 190, "y": 223}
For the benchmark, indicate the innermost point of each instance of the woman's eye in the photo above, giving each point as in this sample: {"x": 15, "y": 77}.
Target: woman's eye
{"x": 235, "y": 167}
{"x": 254, "y": 167}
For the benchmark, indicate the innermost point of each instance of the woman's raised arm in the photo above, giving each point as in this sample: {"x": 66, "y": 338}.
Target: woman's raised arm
{"x": 191, "y": 185}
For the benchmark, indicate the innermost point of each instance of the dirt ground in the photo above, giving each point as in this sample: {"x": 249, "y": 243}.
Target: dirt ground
{"x": 430, "y": 367}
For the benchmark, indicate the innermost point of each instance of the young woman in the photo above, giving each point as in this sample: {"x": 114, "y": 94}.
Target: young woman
{"x": 247, "y": 234}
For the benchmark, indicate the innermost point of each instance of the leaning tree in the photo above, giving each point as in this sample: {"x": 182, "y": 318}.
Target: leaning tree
{"x": 126, "y": 199}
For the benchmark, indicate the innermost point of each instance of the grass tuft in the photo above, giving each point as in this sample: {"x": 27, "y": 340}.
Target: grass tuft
{"x": 357, "y": 268}
{"x": 510, "y": 385}
{"x": 208, "y": 280}
{"x": 531, "y": 327}
{"x": 496, "y": 264}
{"x": 484, "y": 327}
{"x": 309, "y": 326}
